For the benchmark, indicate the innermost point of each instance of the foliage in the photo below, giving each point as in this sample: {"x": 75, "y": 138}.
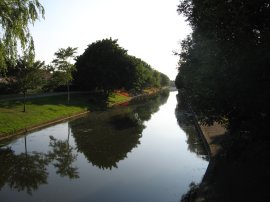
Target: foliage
{"x": 105, "y": 138}
{"x": 63, "y": 157}
{"x": 101, "y": 66}
{"x": 164, "y": 80}
{"x": 191, "y": 194}
{"x": 185, "y": 120}
{"x": 106, "y": 66}
{"x": 22, "y": 172}
{"x": 62, "y": 63}
{"x": 224, "y": 63}
{"x": 15, "y": 17}
{"x": 56, "y": 79}
{"x": 27, "y": 171}
{"x": 28, "y": 75}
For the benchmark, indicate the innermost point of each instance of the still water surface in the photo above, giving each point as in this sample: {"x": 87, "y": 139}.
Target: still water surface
{"x": 144, "y": 152}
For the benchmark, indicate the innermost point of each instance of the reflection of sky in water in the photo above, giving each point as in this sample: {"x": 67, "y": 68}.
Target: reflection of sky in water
{"x": 160, "y": 168}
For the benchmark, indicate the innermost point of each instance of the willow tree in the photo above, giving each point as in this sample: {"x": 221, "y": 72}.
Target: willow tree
{"x": 63, "y": 64}
{"x": 15, "y": 18}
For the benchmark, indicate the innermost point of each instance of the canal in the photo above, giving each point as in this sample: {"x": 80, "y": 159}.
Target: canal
{"x": 147, "y": 151}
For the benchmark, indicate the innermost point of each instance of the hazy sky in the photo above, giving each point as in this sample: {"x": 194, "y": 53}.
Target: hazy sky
{"x": 148, "y": 29}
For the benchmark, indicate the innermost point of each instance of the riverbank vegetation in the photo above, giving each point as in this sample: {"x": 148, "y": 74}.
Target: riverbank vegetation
{"x": 224, "y": 73}
{"x": 15, "y": 18}
{"x": 103, "y": 67}
{"x": 46, "y": 109}
{"x": 105, "y": 70}
{"x": 106, "y": 66}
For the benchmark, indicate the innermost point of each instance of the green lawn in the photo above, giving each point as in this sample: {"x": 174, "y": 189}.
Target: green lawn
{"x": 117, "y": 98}
{"x": 42, "y": 110}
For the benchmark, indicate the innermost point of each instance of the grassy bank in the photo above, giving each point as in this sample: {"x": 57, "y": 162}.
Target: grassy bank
{"x": 45, "y": 109}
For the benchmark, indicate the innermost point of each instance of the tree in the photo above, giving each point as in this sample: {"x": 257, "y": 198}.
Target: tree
{"x": 106, "y": 66}
{"x": 102, "y": 66}
{"x": 15, "y": 17}
{"x": 164, "y": 80}
{"x": 224, "y": 65}
{"x": 28, "y": 75}
{"x": 63, "y": 64}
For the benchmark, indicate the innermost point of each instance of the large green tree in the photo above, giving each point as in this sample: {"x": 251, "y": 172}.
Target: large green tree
{"x": 224, "y": 65}
{"x": 15, "y": 17}
{"x": 102, "y": 66}
{"x": 106, "y": 66}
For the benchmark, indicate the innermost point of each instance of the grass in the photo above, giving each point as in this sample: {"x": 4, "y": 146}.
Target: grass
{"x": 45, "y": 109}
{"x": 149, "y": 91}
{"x": 117, "y": 98}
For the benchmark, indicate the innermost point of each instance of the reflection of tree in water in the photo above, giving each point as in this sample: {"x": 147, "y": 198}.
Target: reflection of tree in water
{"x": 27, "y": 171}
{"x": 191, "y": 194}
{"x": 105, "y": 138}
{"x": 22, "y": 172}
{"x": 186, "y": 122}
{"x": 151, "y": 106}
{"x": 63, "y": 158}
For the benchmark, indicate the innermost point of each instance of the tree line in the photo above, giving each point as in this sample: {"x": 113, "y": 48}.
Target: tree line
{"x": 104, "y": 65}
{"x": 224, "y": 64}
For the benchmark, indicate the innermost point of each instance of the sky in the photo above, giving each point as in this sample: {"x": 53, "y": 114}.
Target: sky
{"x": 148, "y": 29}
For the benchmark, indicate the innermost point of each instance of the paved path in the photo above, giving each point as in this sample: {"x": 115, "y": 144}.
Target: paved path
{"x": 20, "y": 96}
{"x": 213, "y": 135}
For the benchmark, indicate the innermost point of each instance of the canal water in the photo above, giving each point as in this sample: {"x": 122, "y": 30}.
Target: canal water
{"x": 147, "y": 151}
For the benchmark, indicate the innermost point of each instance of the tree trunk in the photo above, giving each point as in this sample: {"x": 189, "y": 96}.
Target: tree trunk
{"x": 68, "y": 133}
{"x": 25, "y": 146}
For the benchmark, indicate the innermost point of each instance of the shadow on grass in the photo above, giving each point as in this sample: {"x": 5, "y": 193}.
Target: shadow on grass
{"x": 93, "y": 101}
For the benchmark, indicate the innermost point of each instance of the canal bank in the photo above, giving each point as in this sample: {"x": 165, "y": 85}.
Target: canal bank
{"x": 213, "y": 136}
{"x": 238, "y": 169}
{"x": 82, "y": 107}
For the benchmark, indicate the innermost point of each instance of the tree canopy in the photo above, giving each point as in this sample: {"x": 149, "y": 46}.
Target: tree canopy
{"x": 224, "y": 64}
{"x": 106, "y": 66}
{"x": 15, "y": 17}
{"x": 29, "y": 75}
